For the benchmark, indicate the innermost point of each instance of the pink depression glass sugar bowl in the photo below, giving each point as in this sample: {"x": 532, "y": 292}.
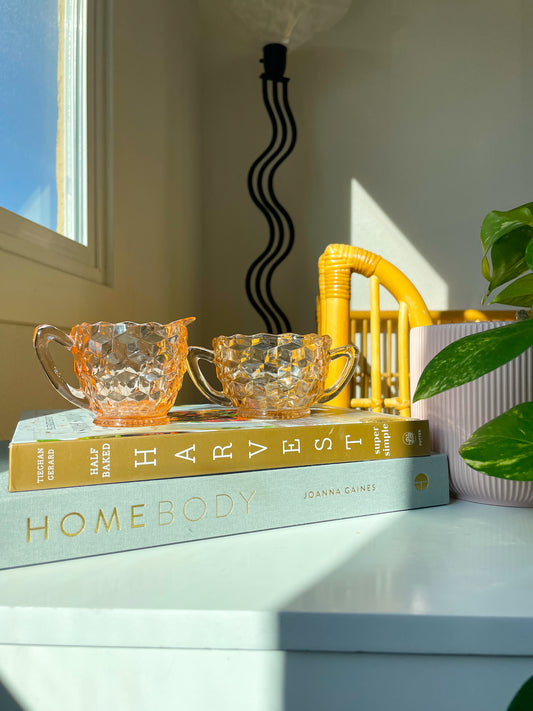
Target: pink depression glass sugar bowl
{"x": 271, "y": 376}
{"x": 129, "y": 373}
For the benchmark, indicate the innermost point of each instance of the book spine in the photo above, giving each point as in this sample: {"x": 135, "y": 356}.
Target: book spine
{"x": 46, "y": 526}
{"x": 55, "y": 464}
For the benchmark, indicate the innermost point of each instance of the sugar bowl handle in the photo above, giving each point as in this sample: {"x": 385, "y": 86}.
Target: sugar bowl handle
{"x": 351, "y": 353}
{"x": 196, "y": 354}
{"x": 41, "y": 340}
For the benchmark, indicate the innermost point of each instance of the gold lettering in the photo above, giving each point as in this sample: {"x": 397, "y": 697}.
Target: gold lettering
{"x": 194, "y": 498}
{"x": 166, "y": 513}
{"x": 62, "y": 524}
{"x": 135, "y": 515}
{"x": 107, "y": 525}
{"x": 227, "y": 496}
{"x": 37, "y": 528}
{"x": 248, "y": 500}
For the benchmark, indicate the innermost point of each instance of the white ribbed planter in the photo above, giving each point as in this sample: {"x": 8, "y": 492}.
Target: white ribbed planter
{"x": 455, "y": 414}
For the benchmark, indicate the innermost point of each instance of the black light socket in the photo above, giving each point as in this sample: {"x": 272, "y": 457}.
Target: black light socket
{"x": 274, "y": 60}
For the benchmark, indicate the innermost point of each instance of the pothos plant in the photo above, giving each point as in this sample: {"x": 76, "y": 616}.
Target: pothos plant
{"x": 502, "y": 447}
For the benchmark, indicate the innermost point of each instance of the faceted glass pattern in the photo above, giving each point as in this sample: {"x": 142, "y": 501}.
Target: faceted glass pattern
{"x": 130, "y": 372}
{"x": 268, "y": 375}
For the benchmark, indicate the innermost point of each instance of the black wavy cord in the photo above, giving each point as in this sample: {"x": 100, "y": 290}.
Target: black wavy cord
{"x": 264, "y": 186}
{"x": 259, "y": 303}
{"x": 282, "y": 251}
{"x": 276, "y": 233}
{"x": 272, "y": 209}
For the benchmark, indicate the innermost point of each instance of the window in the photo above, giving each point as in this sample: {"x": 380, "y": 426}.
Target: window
{"x": 53, "y": 128}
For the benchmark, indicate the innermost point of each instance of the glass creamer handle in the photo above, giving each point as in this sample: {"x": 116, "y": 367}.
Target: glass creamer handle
{"x": 41, "y": 340}
{"x": 351, "y": 353}
{"x": 197, "y": 353}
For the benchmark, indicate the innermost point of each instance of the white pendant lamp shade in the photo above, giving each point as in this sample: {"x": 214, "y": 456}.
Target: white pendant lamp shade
{"x": 288, "y": 22}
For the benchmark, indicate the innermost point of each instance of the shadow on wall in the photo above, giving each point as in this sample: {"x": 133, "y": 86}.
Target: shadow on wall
{"x": 8, "y": 702}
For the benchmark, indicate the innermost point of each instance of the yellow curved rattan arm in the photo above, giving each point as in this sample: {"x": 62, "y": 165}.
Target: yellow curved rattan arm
{"x": 337, "y": 263}
{"x": 335, "y": 267}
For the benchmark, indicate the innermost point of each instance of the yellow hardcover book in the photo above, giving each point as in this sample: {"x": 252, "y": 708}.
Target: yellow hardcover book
{"x": 64, "y": 448}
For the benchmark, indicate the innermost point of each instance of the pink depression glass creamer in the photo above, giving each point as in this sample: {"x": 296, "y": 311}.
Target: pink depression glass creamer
{"x": 129, "y": 373}
{"x": 271, "y": 376}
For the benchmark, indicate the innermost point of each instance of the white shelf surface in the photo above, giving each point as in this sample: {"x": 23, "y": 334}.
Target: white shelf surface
{"x": 455, "y": 579}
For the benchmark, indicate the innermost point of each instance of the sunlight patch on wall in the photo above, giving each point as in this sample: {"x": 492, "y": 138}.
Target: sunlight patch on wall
{"x": 372, "y": 229}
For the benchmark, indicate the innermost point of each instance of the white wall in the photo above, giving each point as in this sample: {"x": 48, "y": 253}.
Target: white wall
{"x": 424, "y": 104}
{"x": 155, "y": 206}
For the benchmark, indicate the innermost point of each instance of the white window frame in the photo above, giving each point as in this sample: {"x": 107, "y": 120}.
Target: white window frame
{"x": 30, "y": 240}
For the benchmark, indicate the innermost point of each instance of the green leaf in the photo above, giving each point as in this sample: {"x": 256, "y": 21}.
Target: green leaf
{"x": 485, "y": 272}
{"x": 523, "y": 700}
{"x": 503, "y": 447}
{"x": 497, "y": 224}
{"x": 473, "y": 356}
{"x": 529, "y": 254}
{"x": 508, "y": 257}
{"x": 506, "y": 235}
{"x": 519, "y": 293}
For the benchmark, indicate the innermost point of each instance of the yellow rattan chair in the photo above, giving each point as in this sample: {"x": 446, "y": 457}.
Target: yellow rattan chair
{"x": 381, "y": 382}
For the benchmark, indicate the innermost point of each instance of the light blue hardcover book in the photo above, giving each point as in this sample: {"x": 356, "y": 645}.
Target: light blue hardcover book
{"x": 61, "y": 524}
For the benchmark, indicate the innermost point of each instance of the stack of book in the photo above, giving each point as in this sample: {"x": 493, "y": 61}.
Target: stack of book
{"x": 73, "y": 489}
